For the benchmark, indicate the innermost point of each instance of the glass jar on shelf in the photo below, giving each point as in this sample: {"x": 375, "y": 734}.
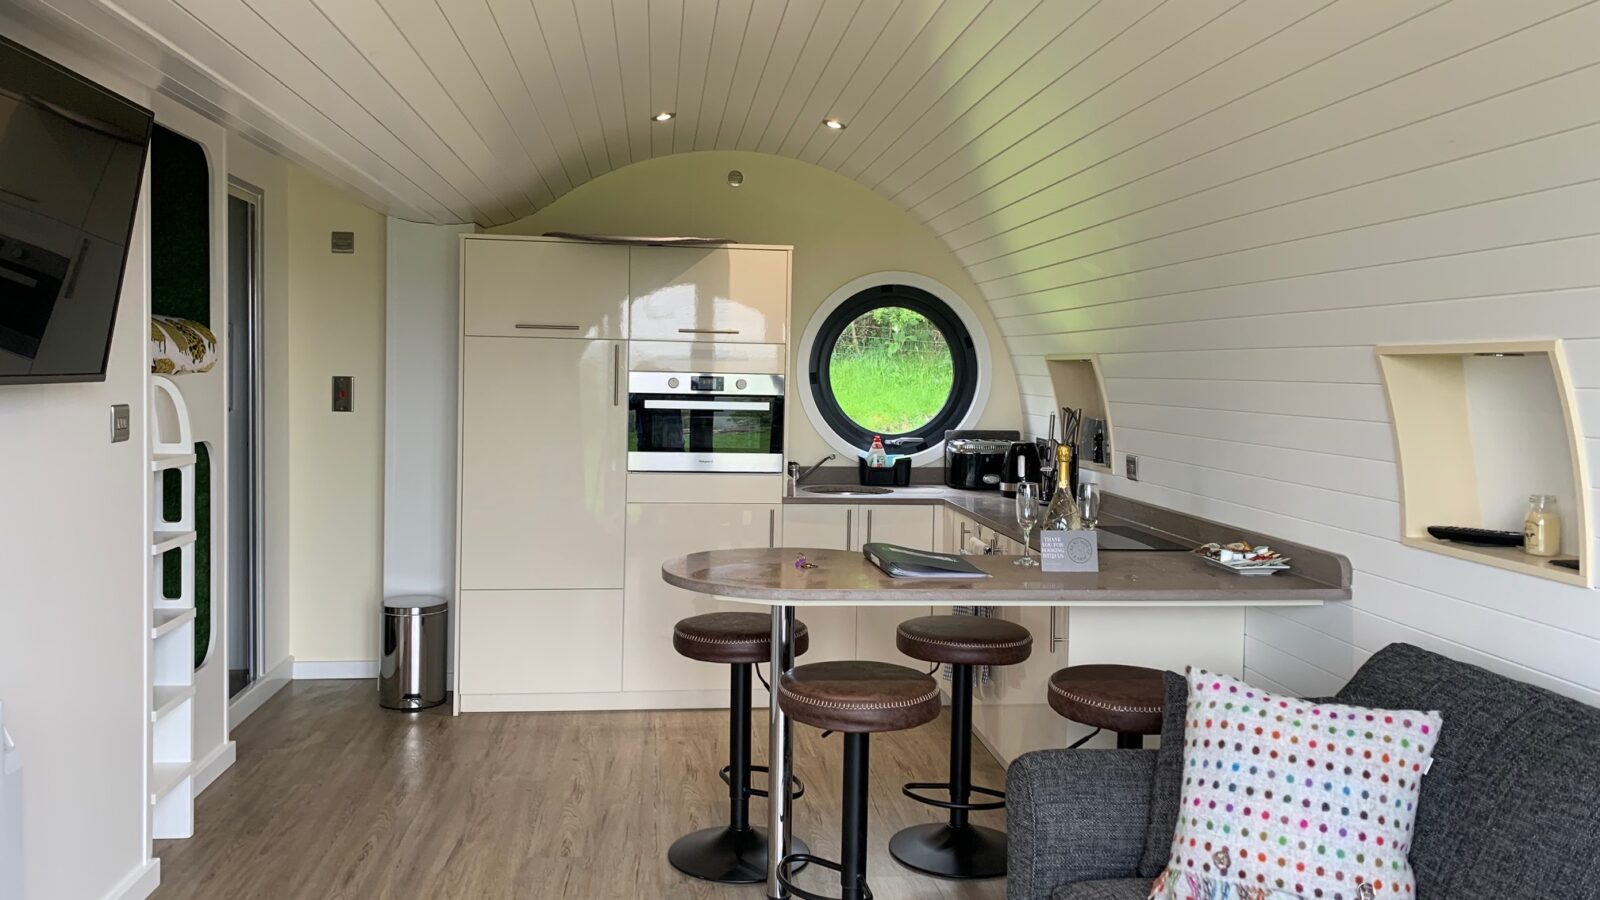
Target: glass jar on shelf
{"x": 1541, "y": 530}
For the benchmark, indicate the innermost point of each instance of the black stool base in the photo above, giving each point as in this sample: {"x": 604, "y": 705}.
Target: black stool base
{"x": 725, "y": 856}
{"x": 966, "y": 851}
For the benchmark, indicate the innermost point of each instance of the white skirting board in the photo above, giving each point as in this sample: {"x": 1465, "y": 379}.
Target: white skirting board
{"x": 312, "y": 669}
{"x": 253, "y": 697}
{"x": 218, "y": 761}
{"x": 140, "y": 883}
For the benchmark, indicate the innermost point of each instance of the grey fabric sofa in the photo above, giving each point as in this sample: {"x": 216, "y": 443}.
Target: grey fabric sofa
{"x": 1511, "y": 807}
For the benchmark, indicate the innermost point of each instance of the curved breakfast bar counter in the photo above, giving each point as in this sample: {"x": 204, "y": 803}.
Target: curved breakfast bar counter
{"x": 1132, "y": 580}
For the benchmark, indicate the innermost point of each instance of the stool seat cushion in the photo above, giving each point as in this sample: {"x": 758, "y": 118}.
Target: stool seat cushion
{"x": 858, "y": 696}
{"x": 731, "y": 638}
{"x": 1124, "y": 699}
{"x": 964, "y": 640}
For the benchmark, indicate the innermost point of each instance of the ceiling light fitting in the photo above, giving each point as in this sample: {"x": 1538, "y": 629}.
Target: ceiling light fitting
{"x": 834, "y": 124}
{"x": 664, "y": 116}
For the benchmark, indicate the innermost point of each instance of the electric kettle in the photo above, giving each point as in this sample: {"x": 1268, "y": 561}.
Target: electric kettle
{"x": 1022, "y": 464}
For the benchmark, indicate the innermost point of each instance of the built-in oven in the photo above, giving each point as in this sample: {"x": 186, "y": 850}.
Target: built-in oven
{"x": 688, "y": 422}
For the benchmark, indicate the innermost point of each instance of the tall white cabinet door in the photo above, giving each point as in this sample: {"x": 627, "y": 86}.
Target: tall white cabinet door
{"x": 909, "y": 526}
{"x": 658, "y": 532}
{"x": 543, "y": 464}
{"x": 519, "y": 288}
{"x": 828, "y": 526}
{"x": 699, "y": 294}
{"x": 531, "y": 642}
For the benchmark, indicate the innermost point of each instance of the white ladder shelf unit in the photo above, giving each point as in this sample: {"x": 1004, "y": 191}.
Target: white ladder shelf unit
{"x": 172, "y": 618}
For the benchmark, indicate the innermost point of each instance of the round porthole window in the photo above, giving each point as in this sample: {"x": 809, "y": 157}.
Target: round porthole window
{"x": 891, "y": 358}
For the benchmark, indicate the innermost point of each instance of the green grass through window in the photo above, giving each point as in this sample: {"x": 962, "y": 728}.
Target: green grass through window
{"x": 891, "y": 371}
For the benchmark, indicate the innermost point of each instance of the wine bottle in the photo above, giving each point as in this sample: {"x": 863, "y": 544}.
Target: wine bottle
{"x": 1063, "y": 513}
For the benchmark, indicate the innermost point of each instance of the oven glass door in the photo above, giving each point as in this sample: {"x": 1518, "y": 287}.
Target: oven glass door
{"x": 705, "y": 432}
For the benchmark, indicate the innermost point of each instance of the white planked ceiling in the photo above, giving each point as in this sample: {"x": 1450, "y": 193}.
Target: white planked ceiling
{"x": 485, "y": 110}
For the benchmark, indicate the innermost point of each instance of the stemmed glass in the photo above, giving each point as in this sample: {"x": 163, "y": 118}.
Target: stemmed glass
{"x": 1027, "y": 517}
{"x": 1089, "y": 503}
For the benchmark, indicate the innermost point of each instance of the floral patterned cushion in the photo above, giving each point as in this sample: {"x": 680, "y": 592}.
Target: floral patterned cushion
{"x": 1287, "y": 799}
{"x": 180, "y": 346}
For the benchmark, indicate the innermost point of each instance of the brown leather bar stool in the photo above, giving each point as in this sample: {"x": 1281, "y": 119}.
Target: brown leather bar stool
{"x": 956, "y": 848}
{"x": 856, "y": 698}
{"x": 737, "y": 852}
{"x": 1123, "y": 699}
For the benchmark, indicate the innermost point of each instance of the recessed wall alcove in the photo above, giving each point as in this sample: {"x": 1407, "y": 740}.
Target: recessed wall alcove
{"x": 1079, "y": 384}
{"x": 1478, "y": 428}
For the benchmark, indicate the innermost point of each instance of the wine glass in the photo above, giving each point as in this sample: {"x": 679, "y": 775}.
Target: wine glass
{"x": 1027, "y": 517}
{"x": 1089, "y": 503}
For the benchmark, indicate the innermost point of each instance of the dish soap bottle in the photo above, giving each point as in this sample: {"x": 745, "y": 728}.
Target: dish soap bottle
{"x": 876, "y": 458}
{"x": 1541, "y": 530}
{"x": 1063, "y": 513}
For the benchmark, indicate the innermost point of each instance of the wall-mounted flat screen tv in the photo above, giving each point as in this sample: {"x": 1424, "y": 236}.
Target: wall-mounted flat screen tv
{"x": 71, "y": 160}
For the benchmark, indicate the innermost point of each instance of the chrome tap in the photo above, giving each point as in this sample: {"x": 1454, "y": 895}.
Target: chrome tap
{"x": 801, "y": 474}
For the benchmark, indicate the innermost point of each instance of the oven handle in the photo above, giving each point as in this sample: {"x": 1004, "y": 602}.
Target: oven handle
{"x": 730, "y": 406}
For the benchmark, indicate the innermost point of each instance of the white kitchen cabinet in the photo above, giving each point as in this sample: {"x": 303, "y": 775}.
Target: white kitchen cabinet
{"x": 657, "y": 532}
{"x": 828, "y": 526}
{"x": 543, "y": 288}
{"x": 909, "y": 526}
{"x": 543, "y": 464}
{"x": 871, "y": 631}
{"x": 734, "y": 294}
{"x": 540, "y": 642}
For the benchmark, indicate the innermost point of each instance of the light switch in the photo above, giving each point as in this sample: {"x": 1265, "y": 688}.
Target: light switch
{"x": 1132, "y": 467}
{"x": 119, "y": 423}
{"x": 341, "y": 393}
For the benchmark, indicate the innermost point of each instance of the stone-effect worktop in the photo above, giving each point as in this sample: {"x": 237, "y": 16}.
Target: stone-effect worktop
{"x": 997, "y": 512}
{"x": 846, "y": 578}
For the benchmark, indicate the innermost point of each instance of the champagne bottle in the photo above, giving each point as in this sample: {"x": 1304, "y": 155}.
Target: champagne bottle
{"x": 1063, "y": 513}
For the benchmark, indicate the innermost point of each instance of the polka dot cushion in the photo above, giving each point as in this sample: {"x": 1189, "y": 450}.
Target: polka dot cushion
{"x": 1285, "y": 799}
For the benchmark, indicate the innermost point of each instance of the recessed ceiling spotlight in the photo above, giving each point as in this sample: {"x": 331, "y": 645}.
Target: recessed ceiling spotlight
{"x": 664, "y": 116}
{"x": 834, "y": 124}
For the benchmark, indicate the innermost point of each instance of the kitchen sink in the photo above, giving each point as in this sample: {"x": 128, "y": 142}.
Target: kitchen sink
{"x": 847, "y": 490}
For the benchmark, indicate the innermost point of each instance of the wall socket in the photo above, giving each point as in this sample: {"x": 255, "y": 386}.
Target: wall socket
{"x": 1131, "y": 467}
{"x": 341, "y": 393}
{"x": 121, "y": 423}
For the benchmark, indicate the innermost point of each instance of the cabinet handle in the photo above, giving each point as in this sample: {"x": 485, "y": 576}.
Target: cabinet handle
{"x": 772, "y": 528}
{"x": 536, "y": 326}
{"x": 847, "y": 515}
{"x": 616, "y": 374}
{"x": 1054, "y": 639}
{"x": 961, "y": 548}
{"x": 708, "y": 331}
{"x": 869, "y": 528}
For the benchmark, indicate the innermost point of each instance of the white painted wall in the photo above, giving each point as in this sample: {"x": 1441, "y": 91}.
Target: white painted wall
{"x": 1244, "y": 214}
{"x": 73, "y": 645}
{"x": 336, "y": 327}
{"x": 422, "y": 343}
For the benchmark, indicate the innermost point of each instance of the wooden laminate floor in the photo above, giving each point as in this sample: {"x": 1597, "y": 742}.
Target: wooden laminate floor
{"x": 333, "y": 797}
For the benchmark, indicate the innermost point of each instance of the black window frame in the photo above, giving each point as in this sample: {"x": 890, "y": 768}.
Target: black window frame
{"x": 963, "y": 358}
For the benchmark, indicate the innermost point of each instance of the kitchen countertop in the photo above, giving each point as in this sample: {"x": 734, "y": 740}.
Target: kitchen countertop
{"x": 997, "y": 512}
{"x": 846, "y": 578}
{"x": 988, "y": 508}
